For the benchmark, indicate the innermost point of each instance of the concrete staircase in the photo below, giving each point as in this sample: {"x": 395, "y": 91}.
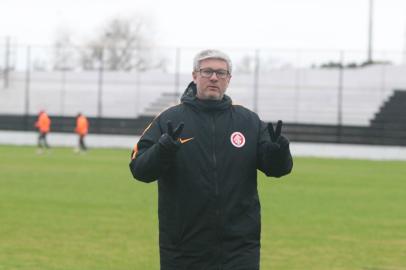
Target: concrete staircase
{"x": 164, "y": 101}
{"x": 392, "y": 113}
{"x": 390, "y": 120}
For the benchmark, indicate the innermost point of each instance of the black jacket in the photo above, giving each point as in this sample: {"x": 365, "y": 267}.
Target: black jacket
{"x": 209, "y": 210}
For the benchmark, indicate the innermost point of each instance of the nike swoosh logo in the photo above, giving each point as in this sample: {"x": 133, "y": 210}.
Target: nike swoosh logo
{"x": 182, "y": 141}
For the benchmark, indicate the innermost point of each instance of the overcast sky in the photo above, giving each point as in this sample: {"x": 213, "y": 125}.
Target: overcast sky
{"x": 291, "y": 24}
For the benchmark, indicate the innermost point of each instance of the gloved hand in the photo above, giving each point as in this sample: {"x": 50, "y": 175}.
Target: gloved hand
{"x": 278, "y": 141}
{"x": 169, "y": 140}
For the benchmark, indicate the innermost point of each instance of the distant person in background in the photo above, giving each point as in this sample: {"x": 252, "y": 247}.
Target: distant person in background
{"x": 82, "y": 128}
{"x": 43, "y": 124}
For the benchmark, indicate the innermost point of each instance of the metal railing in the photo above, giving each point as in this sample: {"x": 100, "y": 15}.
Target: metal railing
{"x": 301, "y": 86}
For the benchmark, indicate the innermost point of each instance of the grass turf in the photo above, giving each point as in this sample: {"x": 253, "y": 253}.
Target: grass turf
{"x": 66, "y": 211}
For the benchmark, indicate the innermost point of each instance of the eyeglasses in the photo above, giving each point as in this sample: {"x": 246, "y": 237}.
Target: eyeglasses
{"x": 208, "y": 72}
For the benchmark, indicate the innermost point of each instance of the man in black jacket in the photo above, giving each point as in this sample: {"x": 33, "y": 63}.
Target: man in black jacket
{"x": 206, "y": 167}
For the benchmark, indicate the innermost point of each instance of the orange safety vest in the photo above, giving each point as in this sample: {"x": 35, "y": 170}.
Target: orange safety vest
{"x": 43, "y": 123}
{"x": 82, "y": 125}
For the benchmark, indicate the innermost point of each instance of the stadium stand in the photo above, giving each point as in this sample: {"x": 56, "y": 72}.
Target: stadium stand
{"x": 368, "y": 110}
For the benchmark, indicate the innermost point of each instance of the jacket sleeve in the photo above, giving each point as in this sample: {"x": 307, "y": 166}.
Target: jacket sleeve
{"x": 149, "y": 160}
{"x": 272, "y": 162}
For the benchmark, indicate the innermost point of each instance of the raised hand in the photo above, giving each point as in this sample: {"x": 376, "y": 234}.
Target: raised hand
{"x": 174, "y": 133}
{"x": 170, "y": 140}
{"x": 277, "y": 139}
{"x": 274, "y": 134}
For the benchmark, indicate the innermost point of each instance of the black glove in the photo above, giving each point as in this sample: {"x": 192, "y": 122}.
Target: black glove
{"x": 169, "y": 140}
{"x": 278, "y": 141}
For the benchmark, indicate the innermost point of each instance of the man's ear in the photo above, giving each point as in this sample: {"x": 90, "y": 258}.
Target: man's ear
{"x": 194, "y": 75}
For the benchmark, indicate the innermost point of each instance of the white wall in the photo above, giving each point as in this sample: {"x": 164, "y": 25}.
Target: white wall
{"x": 294, "y": 95}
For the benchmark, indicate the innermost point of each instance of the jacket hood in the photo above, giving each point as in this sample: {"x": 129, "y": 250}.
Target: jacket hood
{"x": 189, "y": 98}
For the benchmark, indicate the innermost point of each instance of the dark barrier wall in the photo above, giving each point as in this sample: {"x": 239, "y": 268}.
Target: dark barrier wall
{"x": 65, "y": 124}
{"x": 378, "y": 133}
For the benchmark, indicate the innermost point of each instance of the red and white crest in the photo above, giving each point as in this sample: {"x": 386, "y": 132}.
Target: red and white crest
{"x": 237, "y": 139}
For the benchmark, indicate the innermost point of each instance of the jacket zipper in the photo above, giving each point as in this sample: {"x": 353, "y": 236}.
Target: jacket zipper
{"x": 216, "y": 186}
{"x": 214, "y": 154}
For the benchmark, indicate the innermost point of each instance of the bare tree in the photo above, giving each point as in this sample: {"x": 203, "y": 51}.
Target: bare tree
{"x": 246, "y": 65}
{"x": 64, "y": 51}
{"x": 123, "y": 44}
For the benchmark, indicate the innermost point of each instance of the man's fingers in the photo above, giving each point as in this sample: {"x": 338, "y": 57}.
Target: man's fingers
{"x": 283, "y": 141}
{"x": 178, "y": 131}
{"x": 174, "y": 134}
{"x": 278, "y": 129}
{"x": 274, "y": 147}
{"x": 271, "y": 132}
{"x": 275, "y": 133}
{"x": 170, "y": 128}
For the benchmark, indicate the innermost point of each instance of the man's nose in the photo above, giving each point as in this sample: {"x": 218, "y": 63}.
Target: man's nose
{"x": 214, "y": 77}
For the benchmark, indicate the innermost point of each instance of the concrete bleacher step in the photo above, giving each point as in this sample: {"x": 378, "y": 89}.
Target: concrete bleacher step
{"x": 392, "y": 111}
{"x": 390, "y": 120}
{"x": 164, "y": 101}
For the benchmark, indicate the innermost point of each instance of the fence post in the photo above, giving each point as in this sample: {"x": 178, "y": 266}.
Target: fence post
{"x": 137, "y": 92}
{"x": 340, "y": 98}
{"x": 177, "y": 74}
{"x": 6, "y": 63}
{"x": 297, "y": 85}
{"x": 27, "y": 88}
{"x": 100, "y": 84}
{"x": 63, "y": 92}
{"x": 256, "y": 81}
{"x": 100, "y": 89}
{"x": 383, "y": 80}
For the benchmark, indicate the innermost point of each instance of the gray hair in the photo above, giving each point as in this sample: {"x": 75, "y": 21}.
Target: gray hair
{"x": 211, "y": 54}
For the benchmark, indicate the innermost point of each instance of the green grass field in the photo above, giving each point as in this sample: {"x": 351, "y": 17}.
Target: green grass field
{"x": 85, "y": 212}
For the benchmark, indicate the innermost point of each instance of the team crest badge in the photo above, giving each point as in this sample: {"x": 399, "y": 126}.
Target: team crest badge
{"x": 237, "y": 139}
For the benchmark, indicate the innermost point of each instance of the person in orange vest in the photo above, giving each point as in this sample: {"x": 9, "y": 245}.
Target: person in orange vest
{"x": 43, "y": 124}
{"x": 82, "y": 128}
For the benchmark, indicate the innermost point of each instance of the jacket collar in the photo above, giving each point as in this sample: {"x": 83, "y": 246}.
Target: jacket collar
{"x": 189, "y": 98}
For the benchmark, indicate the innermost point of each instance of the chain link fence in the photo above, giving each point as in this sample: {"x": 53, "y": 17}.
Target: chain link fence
{"x": 308, "y": 87}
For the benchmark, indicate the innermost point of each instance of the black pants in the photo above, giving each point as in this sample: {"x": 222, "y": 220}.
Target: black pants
{"x": 42, "y": 140}
{"x": 82, "y": 145}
